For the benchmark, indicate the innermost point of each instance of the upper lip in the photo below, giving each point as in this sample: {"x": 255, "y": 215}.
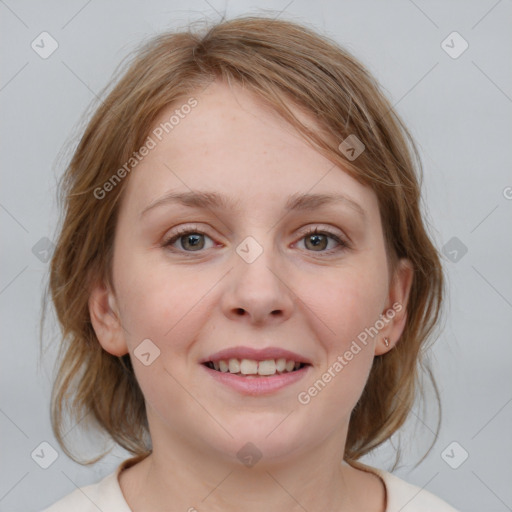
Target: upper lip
{"x": 256, "y": 354}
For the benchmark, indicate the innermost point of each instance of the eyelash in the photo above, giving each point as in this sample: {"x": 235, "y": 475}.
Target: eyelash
{"x": 343, "y": 245}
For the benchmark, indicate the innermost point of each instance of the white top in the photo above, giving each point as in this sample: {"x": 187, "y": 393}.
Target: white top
{"x": 107, "y": 496}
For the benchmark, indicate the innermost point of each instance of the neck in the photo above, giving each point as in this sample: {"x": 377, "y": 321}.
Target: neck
{"x": 189, "y": 479}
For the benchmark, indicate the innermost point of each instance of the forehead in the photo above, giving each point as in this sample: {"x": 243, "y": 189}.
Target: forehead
{"x": 231, "y": 141}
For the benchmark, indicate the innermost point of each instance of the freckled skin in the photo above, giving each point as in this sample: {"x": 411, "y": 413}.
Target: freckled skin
{"x": 192, "y": 304}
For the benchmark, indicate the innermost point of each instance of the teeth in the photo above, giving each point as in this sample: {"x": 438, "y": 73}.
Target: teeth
{"x": 267, "y": 367}
{"x": 281, "y": 364}
{"x": 253, "y": 367}
{"x": 234, "y": 366}
{"x": 248, "y": 367}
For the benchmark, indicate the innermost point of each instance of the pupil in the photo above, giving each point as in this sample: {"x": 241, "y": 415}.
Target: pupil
{"x": 319, "y": 240}
{"x": 193, "y": 240}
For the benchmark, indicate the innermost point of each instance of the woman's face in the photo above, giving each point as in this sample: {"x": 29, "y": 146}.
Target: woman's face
{"x": 249, "y": 280}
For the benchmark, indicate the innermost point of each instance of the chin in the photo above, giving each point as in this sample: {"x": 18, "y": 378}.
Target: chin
{"x": 261, "y": 436}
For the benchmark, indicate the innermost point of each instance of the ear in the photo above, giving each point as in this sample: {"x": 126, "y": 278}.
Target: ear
{"x": 394, "y": 314}
{"x": 105, "y": 320}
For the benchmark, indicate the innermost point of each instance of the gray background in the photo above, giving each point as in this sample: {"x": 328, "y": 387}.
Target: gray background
{"x": 459, "y": 111}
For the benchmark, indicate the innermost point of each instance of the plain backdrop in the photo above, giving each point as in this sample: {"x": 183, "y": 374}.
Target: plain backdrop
{"x": 458, "y": 107}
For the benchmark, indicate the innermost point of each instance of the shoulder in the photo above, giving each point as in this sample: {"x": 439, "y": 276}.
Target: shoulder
{"x": 401, "y": 496}
{"x": 103, "y": 495}
{"x": 405, "y": 497}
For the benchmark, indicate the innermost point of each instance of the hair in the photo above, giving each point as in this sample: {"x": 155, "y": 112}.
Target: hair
{"x": 283, "y": 63}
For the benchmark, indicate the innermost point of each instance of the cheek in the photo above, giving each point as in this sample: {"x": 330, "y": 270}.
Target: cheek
{"x": 162, "y": 305}
{"x": 349, "y": 307}
{"x": 159, "y": 303}
{"x": 345, "y": 303}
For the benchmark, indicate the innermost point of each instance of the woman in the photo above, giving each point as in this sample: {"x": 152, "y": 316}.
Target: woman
{"x": 243, "y": 278}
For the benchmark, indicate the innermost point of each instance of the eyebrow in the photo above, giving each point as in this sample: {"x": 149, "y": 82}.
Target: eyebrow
{"x": 214, "y": 200}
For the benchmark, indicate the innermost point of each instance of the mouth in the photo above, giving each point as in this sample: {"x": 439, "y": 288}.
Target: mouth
{"x": 255, "y": 368}
{"x": 256, "y": 372}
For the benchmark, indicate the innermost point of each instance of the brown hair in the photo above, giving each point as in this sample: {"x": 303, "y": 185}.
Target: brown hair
{"x": 283, "y": 63}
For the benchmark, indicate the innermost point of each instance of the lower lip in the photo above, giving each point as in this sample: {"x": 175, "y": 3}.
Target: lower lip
{"x": 252, "y": 385}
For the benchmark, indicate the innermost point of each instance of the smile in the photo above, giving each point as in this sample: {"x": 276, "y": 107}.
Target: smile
{"x": 252, "y": 367}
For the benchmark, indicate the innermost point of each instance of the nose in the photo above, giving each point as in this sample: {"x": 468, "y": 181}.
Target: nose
{"x": 259, "y": 292}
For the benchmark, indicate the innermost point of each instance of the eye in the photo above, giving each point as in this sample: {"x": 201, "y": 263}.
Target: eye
{"x": 192, "y": 239}
{"x": 188, "y": 239}
{"x": 318, "y": 241}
